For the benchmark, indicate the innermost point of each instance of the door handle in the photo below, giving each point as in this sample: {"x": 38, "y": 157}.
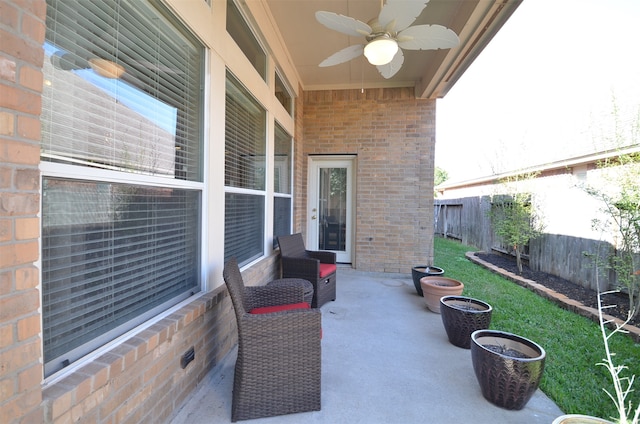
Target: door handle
{"x": 314, "y": 217}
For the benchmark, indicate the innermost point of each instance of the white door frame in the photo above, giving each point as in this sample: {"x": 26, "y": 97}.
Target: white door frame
{"x": 315, "y": 163}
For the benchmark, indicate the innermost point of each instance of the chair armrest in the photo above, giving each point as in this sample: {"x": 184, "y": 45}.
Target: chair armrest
{"x": 305, "y": 268}
{"x": 261, "y": 296}
{"x": 323, "y": 256}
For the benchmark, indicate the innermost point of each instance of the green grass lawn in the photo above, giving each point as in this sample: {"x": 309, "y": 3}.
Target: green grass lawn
{"x": 573, "y": 343}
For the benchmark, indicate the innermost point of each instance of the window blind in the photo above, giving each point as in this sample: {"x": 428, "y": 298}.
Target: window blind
{"x": 245, "y": 138}
{"x": 244, "y": 227}
{"x": 122, "y": 89}
{"x": 245, "y": 166}
{"x": 281, "y": 217}
{"x": 111, "y": 254}
{"x": 282, "y": 161}
{"x": 282, "y": 167}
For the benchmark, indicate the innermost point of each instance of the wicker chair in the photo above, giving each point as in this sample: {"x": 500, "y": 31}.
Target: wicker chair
{"x": 318, "y": 267}
{"x": 279, "y": 354}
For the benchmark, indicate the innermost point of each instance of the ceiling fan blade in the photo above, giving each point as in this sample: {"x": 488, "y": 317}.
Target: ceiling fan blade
{"x": 427, "y": 37}
{"x": 397, "y": 15}
{"x": 343, "y": 55}
{"x": 390, "y": 69}
{"x": 343, "y": 24}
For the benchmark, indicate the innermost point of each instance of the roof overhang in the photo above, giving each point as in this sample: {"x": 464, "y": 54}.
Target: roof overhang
{"x": 432, "y": 73}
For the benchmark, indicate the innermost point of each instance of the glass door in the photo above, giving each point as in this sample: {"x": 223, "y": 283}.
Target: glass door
{"x": 330, "y": 206}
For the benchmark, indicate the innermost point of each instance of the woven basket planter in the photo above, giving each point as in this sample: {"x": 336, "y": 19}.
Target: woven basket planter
{"x": 433, "y": 288}
{"x": 508, "y": 367}
{"x": 461, "y": 316}
{"x": 417, "y": 272}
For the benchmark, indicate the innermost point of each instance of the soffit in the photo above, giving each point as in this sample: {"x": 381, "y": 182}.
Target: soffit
{"x": 431, "y": 72}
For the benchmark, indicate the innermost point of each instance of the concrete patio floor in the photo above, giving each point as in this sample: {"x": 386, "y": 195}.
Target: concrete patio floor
{"x": 385, "y": 359}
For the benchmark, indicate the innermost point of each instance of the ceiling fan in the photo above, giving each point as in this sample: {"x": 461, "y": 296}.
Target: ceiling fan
{"x": 387, "y": 35}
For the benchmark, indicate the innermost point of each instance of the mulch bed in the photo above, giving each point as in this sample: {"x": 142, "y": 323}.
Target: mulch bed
{"x": 586, "y": 296}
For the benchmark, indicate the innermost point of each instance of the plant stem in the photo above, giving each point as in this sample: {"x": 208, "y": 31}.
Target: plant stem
{"x": 614, "y": 370}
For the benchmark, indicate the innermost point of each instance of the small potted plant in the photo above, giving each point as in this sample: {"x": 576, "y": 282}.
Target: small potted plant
{"x": 463, "y": 315}
{"x": 417, "y": 272}
{"x": 434, "y": 287}
{"x": 508, "y": 367}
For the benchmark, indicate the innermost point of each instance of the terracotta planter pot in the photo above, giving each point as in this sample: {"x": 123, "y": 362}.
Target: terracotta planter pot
{"x": 461, "y": 316}
{"x": 579, "y": 419}
{"x": 507, "y": 366}
{"x": 420, "y": 271}
{"x": 433, "y": 288}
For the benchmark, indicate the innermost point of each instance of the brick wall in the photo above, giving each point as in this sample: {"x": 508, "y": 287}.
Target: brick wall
{"x": 141, "y": 380}
{"x": 266, "y": 270}
{"x": 393, "y": 135}
{"x": 22, "y": 34}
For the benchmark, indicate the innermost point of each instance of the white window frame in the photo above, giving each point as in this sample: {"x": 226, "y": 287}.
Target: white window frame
{"x": 75, "y": 172}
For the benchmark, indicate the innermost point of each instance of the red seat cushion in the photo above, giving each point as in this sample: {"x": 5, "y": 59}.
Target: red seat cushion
{"x": 327, "y": 269}
{"x": 280, "y": 308}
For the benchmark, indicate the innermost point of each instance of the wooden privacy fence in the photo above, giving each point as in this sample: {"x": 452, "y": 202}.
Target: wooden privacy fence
{"x": 467, "y": 219}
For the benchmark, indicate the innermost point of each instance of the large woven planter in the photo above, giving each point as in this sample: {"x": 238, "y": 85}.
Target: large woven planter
{"x": 433, "y": 288}
{"x": 417, "y": 272}
{"x": 508, "y": 367}
{"x": 461, "y": 316}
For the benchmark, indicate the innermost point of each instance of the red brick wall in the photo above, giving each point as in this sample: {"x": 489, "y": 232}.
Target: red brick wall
{"x": 393, "y": 135}
{"x": 140, "y": 380}
{"x": 22, "y": 31}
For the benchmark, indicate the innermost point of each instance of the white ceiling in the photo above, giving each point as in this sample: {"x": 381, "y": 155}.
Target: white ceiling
{"x": 431, "y": 72}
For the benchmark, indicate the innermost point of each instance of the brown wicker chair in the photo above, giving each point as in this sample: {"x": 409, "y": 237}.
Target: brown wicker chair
{"x": 318, "y": 267}
{"x": 279, "y": 354}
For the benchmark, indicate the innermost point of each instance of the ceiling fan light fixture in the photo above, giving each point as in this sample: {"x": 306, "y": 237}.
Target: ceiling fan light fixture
{"x": 381, "y": 50}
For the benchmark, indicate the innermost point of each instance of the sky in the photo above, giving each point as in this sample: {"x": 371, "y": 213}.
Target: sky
{"x": 543, "y": 89}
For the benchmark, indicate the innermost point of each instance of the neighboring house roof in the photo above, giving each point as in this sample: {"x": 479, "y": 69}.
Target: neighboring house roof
{"x": 431, "y": 72}
{"x": 552, "y": 168}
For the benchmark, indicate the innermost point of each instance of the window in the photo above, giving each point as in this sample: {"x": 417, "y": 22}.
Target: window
{"x": 244, "y": 38}
{"x": 122, "y": 172}
{"x": 282, "y": 183}
{"x": 283, "y": 95}
{"x": 245, "y": 177}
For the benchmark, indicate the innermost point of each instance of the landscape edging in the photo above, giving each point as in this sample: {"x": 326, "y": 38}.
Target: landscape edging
{"x": 558, "y": 298}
